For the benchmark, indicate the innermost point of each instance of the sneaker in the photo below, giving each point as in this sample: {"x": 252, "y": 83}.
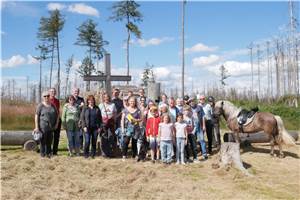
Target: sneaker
{"x": 205, "y": 157}
{"x": 123, "y": 158}
{"x": 183, "y": 163}
{"x": 195, "y": 161}
{"x": 177, "y": 163}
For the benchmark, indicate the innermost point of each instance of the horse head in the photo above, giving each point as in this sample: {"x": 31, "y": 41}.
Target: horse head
{"x": 218, "y": 108}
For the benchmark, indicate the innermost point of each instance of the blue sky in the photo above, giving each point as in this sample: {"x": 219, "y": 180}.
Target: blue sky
{"x": 216, "y": 33}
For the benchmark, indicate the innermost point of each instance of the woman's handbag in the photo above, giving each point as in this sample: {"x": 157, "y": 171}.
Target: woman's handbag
{"x": 37, "y": 135}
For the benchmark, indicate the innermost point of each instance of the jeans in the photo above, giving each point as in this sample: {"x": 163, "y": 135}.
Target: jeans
{"x": 92, "y": 134}
{"x": 73, "y": 139}
{"x": 193, "y": 145}
{"x": 45, "y": 148}
{"x": 56, "y": 136}
{"x": 166, "y": 148}
{"x": 180, "y": 143}
{"x": 200, "y": 136}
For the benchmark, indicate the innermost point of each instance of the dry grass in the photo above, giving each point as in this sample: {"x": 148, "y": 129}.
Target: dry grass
{"x": 17, "y": 116}
{"x": 27, "y": 176}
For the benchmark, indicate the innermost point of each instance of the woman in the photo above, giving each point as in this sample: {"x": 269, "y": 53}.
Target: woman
{"x": 142, "y": 142}
{"x": 46, "y": 121}
{"x": 108, "y": 112}
{"x": 70, "y": 118}
{"x": 91, "y": 120}
{"x": 131, "y": 117}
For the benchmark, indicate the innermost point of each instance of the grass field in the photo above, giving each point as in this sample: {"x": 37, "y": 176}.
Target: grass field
{"x": 24, "y": 175}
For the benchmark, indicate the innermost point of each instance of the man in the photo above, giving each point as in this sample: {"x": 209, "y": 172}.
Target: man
{"x": 79, "y": 101}
{"x": 179, "y": 104}
{"x": 198, "y": 116}
{"x": 142, "y": 94}
{"x": 119, "y": 106}
{"x": 208, "y": 121}
{"x": 215, "y": 122}
{"x": 55, "y": 102}
{"x": 173, "y": 110}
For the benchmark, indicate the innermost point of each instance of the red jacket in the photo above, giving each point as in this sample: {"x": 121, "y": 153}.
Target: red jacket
{"x": 152, "y": 126}
{"x": 55, "y": 103}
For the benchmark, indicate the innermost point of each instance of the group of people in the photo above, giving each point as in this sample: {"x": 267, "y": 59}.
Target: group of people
{"x": 172, "y": 128}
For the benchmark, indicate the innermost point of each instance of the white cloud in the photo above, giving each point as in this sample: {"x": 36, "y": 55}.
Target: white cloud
{"x": 13, "y": 61}
{"x": 83, "y": 9}
{"x": 2, "y": 32}
{"x": 31, "y": 60}
{"x": 205, "y": 60}
{"x": 56, "y": 6}
{"x": 153, "y": 41}
{"x": 239, "y": 69}
{"x": 200, "y": 48}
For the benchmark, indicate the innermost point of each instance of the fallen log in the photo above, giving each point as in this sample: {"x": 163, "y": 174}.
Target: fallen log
{"x": 259, "y": 137}
{"x": 24, "y": 138}
{"x": 229, "y": 156}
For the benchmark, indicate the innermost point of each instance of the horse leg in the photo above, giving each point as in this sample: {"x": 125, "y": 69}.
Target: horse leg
{"x": 237, "y": 138}
{"x": 278, "y": 141}
{"x": 272, "y": 143}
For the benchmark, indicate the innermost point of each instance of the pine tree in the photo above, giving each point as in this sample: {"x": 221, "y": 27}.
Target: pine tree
{"x": 49, "y": 33}
{"x": 89, "y": 37}
{"x": 127, "y": 11}
{"x": 86, "y": 69}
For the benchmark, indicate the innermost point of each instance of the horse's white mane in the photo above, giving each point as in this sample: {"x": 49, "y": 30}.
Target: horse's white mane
{"x": 229, "y": 109}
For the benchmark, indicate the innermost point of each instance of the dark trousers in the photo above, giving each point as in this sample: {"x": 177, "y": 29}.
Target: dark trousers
{"x": 45, "y": 147}
{"x": 81, "y": 139}
{"x": 108, "y": 139}
{"x": 90, "y": 137}
{"x": 56, "y": 136}
{"x": 191, "y": 144}
{"x": 209, "y": 132}
{"x": 133, "y": 146}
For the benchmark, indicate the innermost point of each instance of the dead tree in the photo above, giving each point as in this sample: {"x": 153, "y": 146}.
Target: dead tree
{"x": 229, "y": 156}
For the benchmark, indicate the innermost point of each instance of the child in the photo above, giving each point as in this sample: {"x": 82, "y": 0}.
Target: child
{"x": 181, "y": 138}
{"x": 191, "y": 130}
{"x": 165, "y": 135}
{"x": 152, "y": 132}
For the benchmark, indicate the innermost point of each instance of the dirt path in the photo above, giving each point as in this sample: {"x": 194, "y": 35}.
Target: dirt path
{"x": 24, "y": 175}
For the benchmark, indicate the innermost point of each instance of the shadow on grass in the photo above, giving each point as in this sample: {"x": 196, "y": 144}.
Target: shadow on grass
{"x": 267, "y": 151}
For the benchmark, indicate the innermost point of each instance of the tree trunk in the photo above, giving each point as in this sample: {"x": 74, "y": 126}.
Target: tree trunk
{"x": 127, "y": 53}
{"x": 40, "y": 83}
{"x": 259, "y": 137}
{"x": 58, "y": 70}
{"x": 229, "y": 155}
{"x": 51, "y": 67}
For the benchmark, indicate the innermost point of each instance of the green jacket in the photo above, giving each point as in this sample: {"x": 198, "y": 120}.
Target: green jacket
{"x": 70, "y": 117}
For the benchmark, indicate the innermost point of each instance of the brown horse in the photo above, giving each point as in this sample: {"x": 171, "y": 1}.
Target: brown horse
{"x": 262, "y": 121}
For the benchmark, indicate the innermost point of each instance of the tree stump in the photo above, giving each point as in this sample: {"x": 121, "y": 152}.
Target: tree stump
{"x": 30, "y": 145}
{"x": 228, "y": 156}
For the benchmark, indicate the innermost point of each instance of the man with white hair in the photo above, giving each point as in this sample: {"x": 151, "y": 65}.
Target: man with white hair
{"x": 179, "y": 104}
{"x": 208, "y": 120}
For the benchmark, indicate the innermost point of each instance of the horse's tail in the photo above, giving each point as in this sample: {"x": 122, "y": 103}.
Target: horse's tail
{"x": 284, "y": 136}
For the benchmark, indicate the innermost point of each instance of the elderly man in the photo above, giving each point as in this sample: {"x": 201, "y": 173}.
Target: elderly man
{"x": 55, "y": 102}
{"x": 142, "y": 94}
{"x": 207, "y": 108}
{"x": 119, "y": 106}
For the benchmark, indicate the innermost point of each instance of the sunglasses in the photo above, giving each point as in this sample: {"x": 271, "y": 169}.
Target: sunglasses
{"x": 47, "y": 96}
{"x": 202, "y": 99}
